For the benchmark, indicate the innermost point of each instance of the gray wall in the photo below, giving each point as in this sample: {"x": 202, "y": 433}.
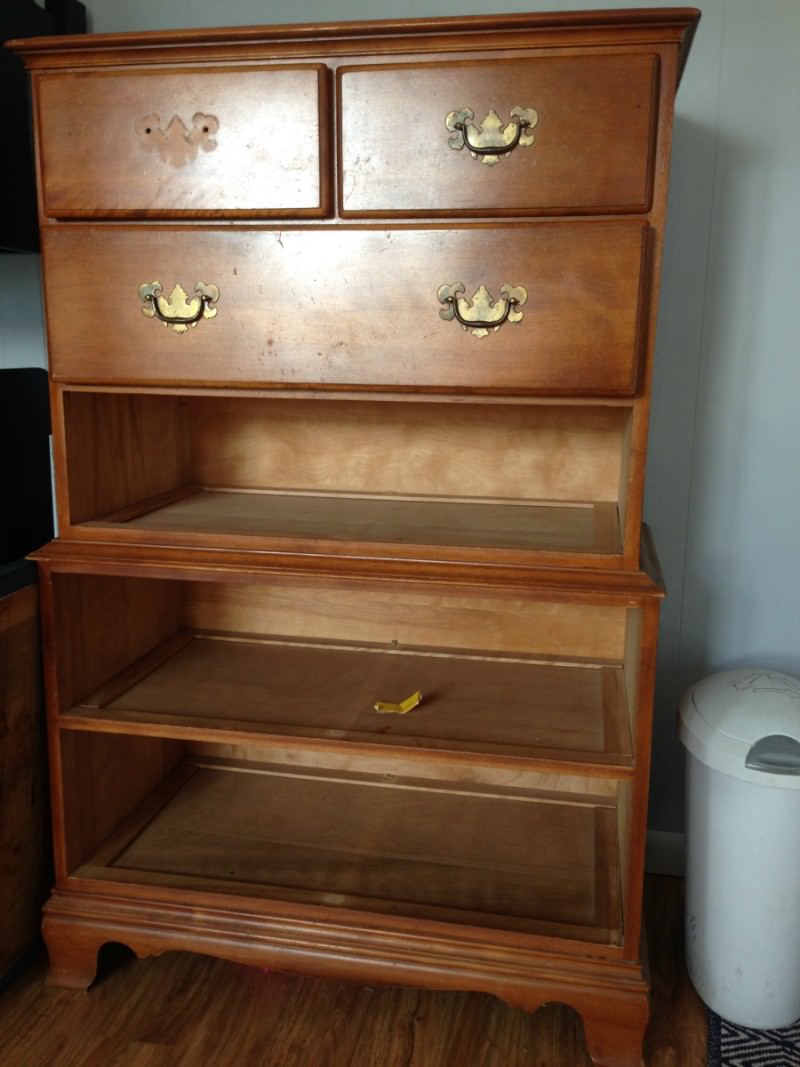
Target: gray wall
{"x": 723, "y": 497}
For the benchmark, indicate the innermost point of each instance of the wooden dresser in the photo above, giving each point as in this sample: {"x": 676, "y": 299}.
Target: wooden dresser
{"x": 351, "y": 332}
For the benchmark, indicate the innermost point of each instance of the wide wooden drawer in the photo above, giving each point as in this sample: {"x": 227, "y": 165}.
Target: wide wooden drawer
{"x": 352, "y": 307}
{"x": 589, "y": 146}
{"x": 163, "y": 144}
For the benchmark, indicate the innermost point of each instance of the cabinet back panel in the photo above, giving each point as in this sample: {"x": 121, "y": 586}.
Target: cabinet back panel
{"x": 496, "y": 623}
{"x": 527, "y": 453}
{"x": 482, "y": 774}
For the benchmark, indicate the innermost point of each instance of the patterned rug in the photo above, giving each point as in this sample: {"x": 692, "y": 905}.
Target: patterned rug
{"x": 736, "y": 1046}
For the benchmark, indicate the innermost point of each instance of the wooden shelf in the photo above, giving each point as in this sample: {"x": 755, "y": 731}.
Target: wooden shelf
{"x": 539, "y": 864}
{"x": 198, "y": 684}
{"x": 380, "y": 519}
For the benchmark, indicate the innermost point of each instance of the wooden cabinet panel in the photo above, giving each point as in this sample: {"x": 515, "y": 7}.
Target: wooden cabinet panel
{"x": 24, "y": 844}
{"x": 592, "y": 133}
{"x": 163, "y": 144}
{"x": 354, "y": 307}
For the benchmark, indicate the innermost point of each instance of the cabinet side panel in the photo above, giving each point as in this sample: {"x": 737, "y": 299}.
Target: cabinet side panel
{"x": 101, "y": 624}
{"x": 122, "y": 449}
{"x": 629, "y": 469}
{"x": 104, "y": 777}
{"x": 568, "y": 787}
{"x": 633, "y": 641}
{"x": 640, "y": 669}
{"x": 624, "y": 839}
{"x": 23, "y": 791}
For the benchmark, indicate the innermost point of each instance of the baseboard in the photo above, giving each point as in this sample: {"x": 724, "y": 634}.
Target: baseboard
{"x": 666, "y": 853}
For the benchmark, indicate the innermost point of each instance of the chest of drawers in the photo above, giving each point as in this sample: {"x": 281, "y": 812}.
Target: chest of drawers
{"x": 350, "y": 628}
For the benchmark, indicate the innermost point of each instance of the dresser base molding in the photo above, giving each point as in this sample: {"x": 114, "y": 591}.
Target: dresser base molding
{"x": 610, "y": 995}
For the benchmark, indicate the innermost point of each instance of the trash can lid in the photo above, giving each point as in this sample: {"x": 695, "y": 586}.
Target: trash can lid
{"x": 745, "y": 723}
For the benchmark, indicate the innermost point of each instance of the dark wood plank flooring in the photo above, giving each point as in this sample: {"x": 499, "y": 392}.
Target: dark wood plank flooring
{"x": 183, "y": 1010}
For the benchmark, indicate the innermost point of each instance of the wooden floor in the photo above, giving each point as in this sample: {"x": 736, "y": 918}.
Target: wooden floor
{"x": 183, "y": 1010}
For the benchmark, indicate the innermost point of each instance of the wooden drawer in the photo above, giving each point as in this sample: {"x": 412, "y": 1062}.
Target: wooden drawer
{"x": 164, "y": 144}
{"x": 593, "y": 132}
{"x": 353, "y": 307}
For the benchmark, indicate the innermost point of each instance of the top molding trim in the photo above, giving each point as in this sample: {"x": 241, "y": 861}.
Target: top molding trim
{"x": 676, "y": 24}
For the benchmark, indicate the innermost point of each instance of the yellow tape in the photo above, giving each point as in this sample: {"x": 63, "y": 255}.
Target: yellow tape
{"x": 385, "y": 707}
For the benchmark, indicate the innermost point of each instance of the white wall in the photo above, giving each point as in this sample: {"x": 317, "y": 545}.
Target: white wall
{"x": 21, "y": 323}
{"x": 723, "y": 490}
{"x": 734, "y": 581}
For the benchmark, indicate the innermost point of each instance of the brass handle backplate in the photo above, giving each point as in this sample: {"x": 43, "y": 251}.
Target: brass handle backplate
{"x": 492, "y": 139}
{"x": 481, "y": 314}
{"x": 179, "y": 311}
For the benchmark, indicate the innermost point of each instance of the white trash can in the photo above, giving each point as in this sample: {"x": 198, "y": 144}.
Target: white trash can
{"x": 742, "y": 732}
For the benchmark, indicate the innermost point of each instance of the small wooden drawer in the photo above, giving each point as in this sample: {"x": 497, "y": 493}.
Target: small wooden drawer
{"x": 588, "y": 148}
{"x": 352, "y": 307}
{"x": 249, "y": 142}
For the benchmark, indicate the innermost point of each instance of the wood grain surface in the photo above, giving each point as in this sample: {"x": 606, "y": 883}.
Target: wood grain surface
{"x": 24, "y": 841}
{"x": 181, "y": 1010}
{"x": 392, "y": 121}
{"x": 471, "y": 703}
{"x": 533, "y": 480}
{"x": 279, "y": 834}
{"x": 133, "y": 145}
{"x": 352, "y": 306}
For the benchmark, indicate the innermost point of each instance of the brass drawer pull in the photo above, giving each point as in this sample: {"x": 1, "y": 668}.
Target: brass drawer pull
{"x": 178, "y": 310}
{"x": 481, "y": 314}
{"x": 492, "y": 139}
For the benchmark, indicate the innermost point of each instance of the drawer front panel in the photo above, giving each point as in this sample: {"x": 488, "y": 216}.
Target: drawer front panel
{"x": 591, "y": 134}
{"x": 352, "y": 307}
{"x": 163, "y": 144}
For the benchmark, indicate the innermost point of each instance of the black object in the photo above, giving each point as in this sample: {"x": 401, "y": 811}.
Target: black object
{"x": 15, "y": 576}
{"x": 19, "y": 231}
{"x": 26, "y": 502}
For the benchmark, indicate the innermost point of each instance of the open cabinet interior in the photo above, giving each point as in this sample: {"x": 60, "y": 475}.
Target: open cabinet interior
{"x": 459, "y": 478}
{"x": 502, "y": 676}
{"x": 225, "y": 738}
{"x": 416, "y": 847}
